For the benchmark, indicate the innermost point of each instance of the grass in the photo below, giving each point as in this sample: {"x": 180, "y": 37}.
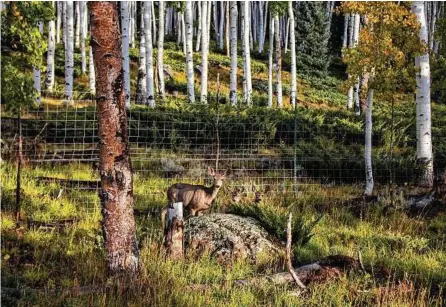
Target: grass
{"x": 36, "y": 258}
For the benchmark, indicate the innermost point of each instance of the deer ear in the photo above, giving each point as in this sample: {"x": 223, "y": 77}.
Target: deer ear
{"x": 211, "y": 171}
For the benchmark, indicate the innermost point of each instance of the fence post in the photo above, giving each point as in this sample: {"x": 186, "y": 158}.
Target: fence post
{"x": 173, "y": 240}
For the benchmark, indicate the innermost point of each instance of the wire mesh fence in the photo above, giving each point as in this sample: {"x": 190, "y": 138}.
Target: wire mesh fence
{"x": 270, "y": 149}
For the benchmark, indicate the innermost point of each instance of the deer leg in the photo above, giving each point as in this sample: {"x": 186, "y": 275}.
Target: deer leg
{"x": 163, "y": 216}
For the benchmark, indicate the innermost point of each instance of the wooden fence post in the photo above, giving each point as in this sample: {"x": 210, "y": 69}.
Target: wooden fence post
{"x": 173, "y": 234}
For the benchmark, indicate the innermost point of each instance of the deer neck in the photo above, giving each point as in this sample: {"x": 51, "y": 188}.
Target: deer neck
{"x": 212, "y": 193}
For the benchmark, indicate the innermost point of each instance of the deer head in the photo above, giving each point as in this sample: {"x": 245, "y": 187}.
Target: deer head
{"x": 218, "y": 177}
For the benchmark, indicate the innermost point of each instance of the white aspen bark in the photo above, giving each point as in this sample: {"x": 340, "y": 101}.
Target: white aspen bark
{"x": 149, "y": 53}
{"x": 78, "y": 23}
{"x": 217, "y": 33}
{"x": 69, "y": 60}
{"x": 242, "y": 36}
{"x": 287, "y": 33}
{"x": 204, "y": 52}
{"x": 247, "y": 56}
{"x": 141, "y": 91}
{"x": 183, "y": 33}
{"x": 82, "y": 10}
{"x": 189, "y": 53}
{"x": 221, "y": 26}
{"x": 178, "y": 28}
{"x": 368, "y": 144}
{"x": 132, "y": 23}
{"x": 432, "y": 25}
{"x": 161, "y": 25}
{"x": 197, "y": 48}
{"x": 49, "y": 82}
{"x": 254, "y": 23}
{"x": 233, "y": 82}
{"x": 64, "y": 17}
{"x": 249, "y": 29}
{"x": 265, "y": 16}
{"x": 59, "y": 20}
{"x": 227, "y": 28}
{"x": 125, "y": 24}
{"x": 91, "y": 72}
{"x": 278, "y": 61}
{"x": 160, "y": 57}
{"x": 423, "y": 102}
{"x": 270, "y": 62}
{"x": 356, "y": 87}
{"x": 36, "y": 74}
{"x": 261, "y": 35}
{"x": 208, "y": 28}
{"x": 293, "y": 92}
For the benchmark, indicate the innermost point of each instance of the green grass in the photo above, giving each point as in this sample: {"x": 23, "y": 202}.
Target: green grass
{"x": 36, "y": 258}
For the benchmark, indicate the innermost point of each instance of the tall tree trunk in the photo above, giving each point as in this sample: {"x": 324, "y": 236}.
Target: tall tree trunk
{"x": 125, "y": 23}
{"x": 154, "y": 24}
{"x": 368, "y": 144}
{"x": 69, "y": 60}
{"x": 114, "y": 150}
{"x": 270, "y": 62}
{"x": 287, "y": 33}
{"x": 350, "y": 45}
{"x": 278, "y": 61}
{"x": 293, "y": 93}
{"x": 82, "y": 10}
{"x": 217, "y": 33}
{"x": 36, "y": 74}
{"x": 59, "y": 20}
{"x": 141, "y": 87}
{"x": 261, "y": 36}
{"x": 208, "y": 28}
{"x": 423, "y": 101}
{"x": 204, "y": 52}
{"x": 49, "y": 82}
{"x": 183, "y": 32}
{"x": 265, "y": 18}
{"x": 78, "y": 23}
{"x": 227, "y": 35}
{"x": 345, "y": 36}
{"x": 64, "y": 17}
{"x": 132, "y": 23}
{"x": 233, "y": 82}
{"x": 149, "y": 53}
{"x": 221, "y": 25}
{"x": 189, "y": 53}
{"x": 91, "y": 71}
{"x": 247, "y": 55}
{"x": 198, "y": 43}
{"x": 160, "y": 56}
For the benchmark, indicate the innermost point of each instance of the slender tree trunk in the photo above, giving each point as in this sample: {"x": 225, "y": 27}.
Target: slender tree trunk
{"x": 204, "y": 53}
{"x": 345, "y": 36}
{"x": 125, "y": 23}
{"x": 49, "y": 82}
{"x": 59, "y": 20}
{"x": 247, "y": 55}
{"x": 368, "y": 144}
{"x": 270, "y": 62}
{"x": 293, "y": 93}
{"x": 278, "y": 61}
{"x": 149, "y": 53}
{"x": 261, "y": 35}
{"x": 208, "y": 28}
{"x": 69, "y": 60}
{"x": 189, "y": 53}
{"x": 141, "y": 87}
{"x": 161, "y": 25}
{"x": 36, "y": 74}
{"x": 82, "y": 10}
{"x": 64, "y": 17}
{"x": 197, "y": 48}
{"x": 242, "y": 37}
{"x": 233, "y": 82}
{"x": 249, "y": 29}
{"x": 78, "y": 23}
{"x": 132, "y": 23}
{"x": 265, "y": 18}
{"x": 183, "y": 33}
{"x": 91, "y": 72}
{"x": 221, "y": 26}
{"x": 114, "y": 150}
{"x": 350, "y": 45}
{"x": 423, "y": 101}
{"x": 217, "y": 33}
{"x": 228, "y": 52}
{"x": 160, "y": 57}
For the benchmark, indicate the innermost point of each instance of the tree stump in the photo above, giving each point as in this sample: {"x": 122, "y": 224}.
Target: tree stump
{"x": 174, "y": 232}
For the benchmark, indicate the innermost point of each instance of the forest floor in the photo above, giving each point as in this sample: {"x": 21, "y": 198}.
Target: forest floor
{"x": 403, "y": 251}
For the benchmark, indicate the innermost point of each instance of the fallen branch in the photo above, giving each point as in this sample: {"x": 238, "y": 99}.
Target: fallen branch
{"x": 288, "y": 254}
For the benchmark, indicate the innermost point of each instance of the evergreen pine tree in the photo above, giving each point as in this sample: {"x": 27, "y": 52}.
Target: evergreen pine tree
{"x": 312, "y": 36}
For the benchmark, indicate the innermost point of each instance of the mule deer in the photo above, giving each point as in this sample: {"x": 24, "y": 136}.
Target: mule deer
{"x": 195, "y": 198}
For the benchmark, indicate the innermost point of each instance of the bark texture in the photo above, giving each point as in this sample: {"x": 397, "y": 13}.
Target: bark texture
{"x": 368, "y": 145}
{"x": 114, "y": 156}
{"x": 189, "y": 53}
{"x": 69, "y": 49}
{"x": 233, "y": 34}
